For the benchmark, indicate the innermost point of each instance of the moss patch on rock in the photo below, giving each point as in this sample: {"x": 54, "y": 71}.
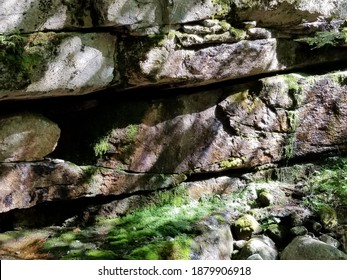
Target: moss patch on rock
{"x": 23, "y": 58}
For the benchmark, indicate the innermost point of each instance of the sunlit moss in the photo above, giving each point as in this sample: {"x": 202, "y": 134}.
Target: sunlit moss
{"x": 164, "y": 229}
{"x": 101, "y": 147}
{"x": 327, "y": 188}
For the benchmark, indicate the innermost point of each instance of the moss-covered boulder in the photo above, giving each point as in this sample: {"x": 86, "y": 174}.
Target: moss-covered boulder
{"x": 245, "y": 226}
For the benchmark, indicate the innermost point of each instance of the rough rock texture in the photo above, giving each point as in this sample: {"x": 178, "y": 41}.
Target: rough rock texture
{"x": 24, "y": 185}
{"x": 39, "y": 15}
{"x": 289, "y": 12}
{"x": 160, "y": 42}
{"x": 152, "y": 13}
{"x": 307, "y": 248}
{"x": 222, "y": 185}
{"x": 164, "y": 62}
{"x": 275, "y": 119}
{"x": 27, "y": 137}
{"x": 50, "y": 64}
{"x": 215, "y": 242}
{"x": 121, "y": 144}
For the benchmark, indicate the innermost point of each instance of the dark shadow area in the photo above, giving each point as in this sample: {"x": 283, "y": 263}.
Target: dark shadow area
{"x": 70, "y": 213}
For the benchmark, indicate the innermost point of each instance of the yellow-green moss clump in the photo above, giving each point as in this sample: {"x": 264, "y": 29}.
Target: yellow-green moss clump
{"x": 231, "y": 163}
{"x": 223, "y": 7}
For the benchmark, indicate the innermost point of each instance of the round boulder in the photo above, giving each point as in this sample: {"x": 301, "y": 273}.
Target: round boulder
{"x": 215, "y": 241}
{"x": 27, "y": 137}
{"x": 259, "y": 245}
{"x": 308, "y": 248}
{"x": 245, "y": 226}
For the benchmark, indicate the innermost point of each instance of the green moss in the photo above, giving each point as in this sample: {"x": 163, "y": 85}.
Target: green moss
{"x": 225, "y": 25}
{"x": 247, "y": 223}
{"x": 293, "y": 120}
{"x": 148, "y": 229}
{"x": 132, "y": 131}
{"x": 289, "y": 146}
{"x": 176, "y": 197}
{"x": 326, "y": 38}
{"x": 238, "y": 33}
{"x": 163, "y": 229}
{"x": 223, "y": 7}
{"x": 328, "y": 217}
{"x": 327, "y": 188}
{"x": 339, "y": 78}
{"x": 12, "y": 44}
{"x": 295, "y": 89}
{"x": 238, "y": 97}
{"x": 12, "y": 74}
{"x": 230, "y": 163}
{"x": 157, "y": 39}
{"x": 24, "y": 59}
{"x": 68, "y": 236}
{"x": 100, "y": 255}
{"x": 101, "y": 147}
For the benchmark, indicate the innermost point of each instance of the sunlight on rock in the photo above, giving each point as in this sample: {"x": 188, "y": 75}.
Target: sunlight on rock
{"x": 12, "y": 14}
{"x": 56, "y": 21}
{"x": 75, "y": 66}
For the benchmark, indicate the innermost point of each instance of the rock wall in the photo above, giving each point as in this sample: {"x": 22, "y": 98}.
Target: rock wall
{"x": 171, "y": 90}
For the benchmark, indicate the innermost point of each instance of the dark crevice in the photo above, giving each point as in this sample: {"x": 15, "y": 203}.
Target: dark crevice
{"x": 55, "y": 213}
{"x": 240, "y": 172}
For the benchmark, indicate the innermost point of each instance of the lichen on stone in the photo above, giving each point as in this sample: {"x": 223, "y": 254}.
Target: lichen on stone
{"x": 223, "y": 7}
{"x": 231, "y": 162}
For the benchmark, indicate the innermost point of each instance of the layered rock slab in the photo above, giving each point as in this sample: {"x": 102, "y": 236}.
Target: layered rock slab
{"x": 271, "y": 120}
{"x": 55, "y": 64}
{"x": 165, "y": 61}
{"x": 40, "y": 15}
{"x": 24, "y": 185}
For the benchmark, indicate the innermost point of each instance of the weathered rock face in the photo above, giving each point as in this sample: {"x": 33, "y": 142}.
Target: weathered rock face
{"x": 49, "y": 64}
{"x": 24, "y": 185}
{"x": 167, "y": 43}
{"x": 39, "y": 15}
{"x": 289, "y": 12}
{"x": 274, "y": 119}
{"x": 27, "y": 137}
{"x": 153, "y": 13}
{"x": 118, "y": 144}
{"x": 167, "y": 62}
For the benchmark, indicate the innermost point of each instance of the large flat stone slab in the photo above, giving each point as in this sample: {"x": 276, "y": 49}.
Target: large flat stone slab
{"x": 23, "y": 185}
{"x": 55, "y": 64}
